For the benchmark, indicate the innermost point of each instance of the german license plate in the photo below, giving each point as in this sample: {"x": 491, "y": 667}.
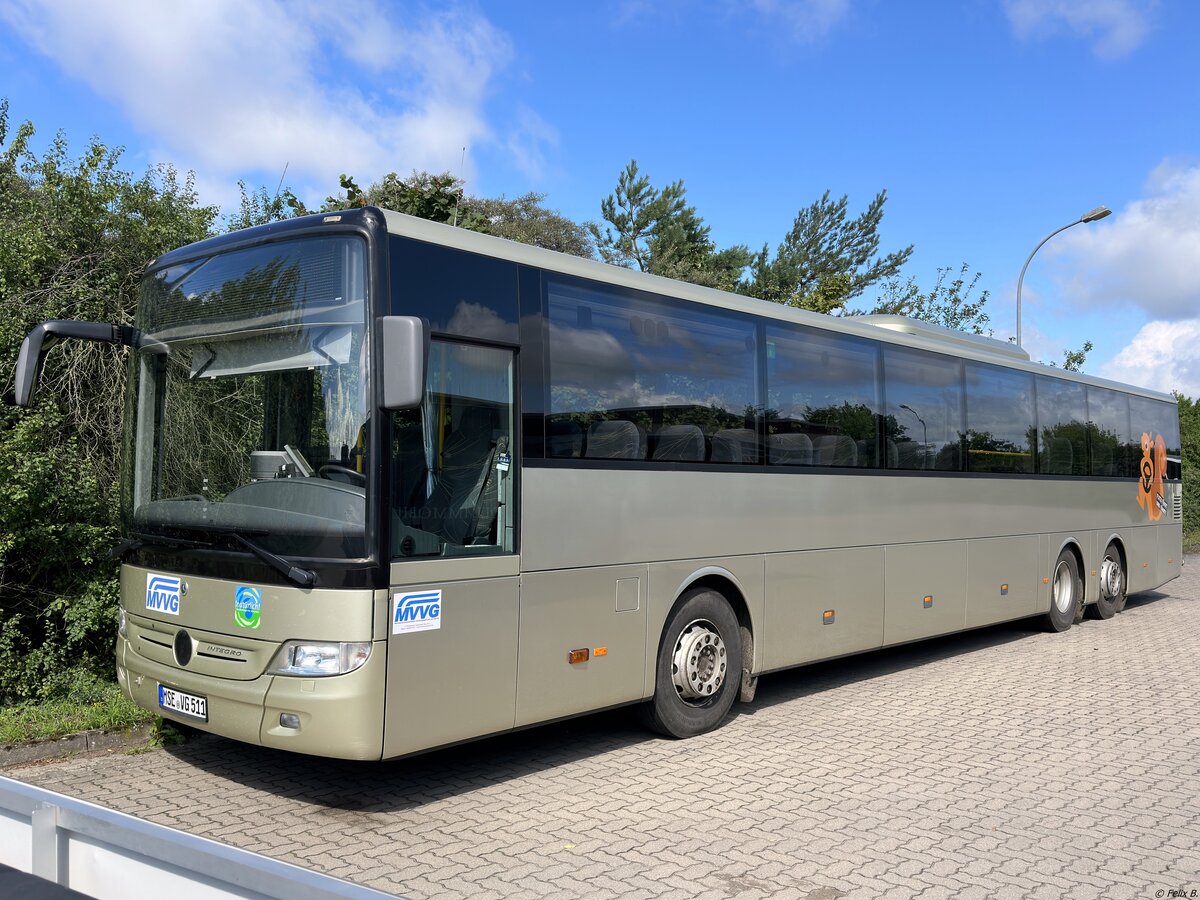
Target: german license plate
{"x": 184, "y": 704}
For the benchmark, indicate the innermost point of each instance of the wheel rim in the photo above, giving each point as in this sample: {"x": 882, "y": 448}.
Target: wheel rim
{"x": 1064, "y": 587}
{"x": 700, "y": 661}
{"x": 1112, "y": 578}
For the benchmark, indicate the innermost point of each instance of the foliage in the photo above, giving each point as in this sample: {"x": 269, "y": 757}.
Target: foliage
{"x": 527, "y": 220}
{"x": 659, "y": 232}
{"x": 947, "y": 303}
{"x": 257, "y": 207}
{"x": 826, "y": 259}
{"x": 1189, "y": 432}
{"x": 78, "y": 233}
{"x": 442, "y": 198}
{"x": 438, "y": 198}
{"x": 1073, "y": 360}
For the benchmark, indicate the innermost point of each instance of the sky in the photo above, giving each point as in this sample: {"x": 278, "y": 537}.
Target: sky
{"x": 990, "y": 123}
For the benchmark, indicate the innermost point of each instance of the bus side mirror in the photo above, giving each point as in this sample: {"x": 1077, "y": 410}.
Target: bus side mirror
{"x": 404, "y": 359}
{"x": 43, "y": 337}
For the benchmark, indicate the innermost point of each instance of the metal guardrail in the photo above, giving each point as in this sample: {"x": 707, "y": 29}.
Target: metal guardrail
{"x": 107, "y": 854}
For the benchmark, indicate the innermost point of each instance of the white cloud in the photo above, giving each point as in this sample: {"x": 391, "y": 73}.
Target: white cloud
{"x": 1146, "y": 255}
{"x": 806, "y": 20}
{"x": 249, "y": 87}
{"x": 1115, "y": 27}
{"x": 528, "y": 142}
{"x": 1164, "y": 356}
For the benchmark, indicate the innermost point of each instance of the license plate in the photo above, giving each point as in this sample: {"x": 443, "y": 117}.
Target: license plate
{"x": 184, "y": 704}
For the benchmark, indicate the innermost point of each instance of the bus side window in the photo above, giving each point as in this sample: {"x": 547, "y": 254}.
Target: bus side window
{"x": 453, "y": 463}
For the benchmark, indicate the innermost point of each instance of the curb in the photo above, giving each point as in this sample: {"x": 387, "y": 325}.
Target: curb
{"x": 84, "y": 742}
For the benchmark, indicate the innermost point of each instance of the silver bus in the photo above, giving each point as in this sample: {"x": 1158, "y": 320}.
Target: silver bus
{"x": 390, "y": 485}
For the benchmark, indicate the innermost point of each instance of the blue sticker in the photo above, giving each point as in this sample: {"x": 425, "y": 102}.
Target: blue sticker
{"x": 162, "y": 593}
{"x": 421, "y": 611}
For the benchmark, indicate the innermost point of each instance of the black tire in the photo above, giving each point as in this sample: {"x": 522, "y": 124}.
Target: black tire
{"x": 1066, "y": 593}
{"x": 702, "y": 634}
{"x": 1114, "y": 585}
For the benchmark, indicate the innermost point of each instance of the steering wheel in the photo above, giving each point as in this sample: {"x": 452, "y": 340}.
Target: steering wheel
{"x": 334, "y": 472}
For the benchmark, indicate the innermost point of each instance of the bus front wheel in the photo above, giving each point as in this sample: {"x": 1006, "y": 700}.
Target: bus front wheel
{"x": 699, "y": 667}
{"x": 1066, "y": 593}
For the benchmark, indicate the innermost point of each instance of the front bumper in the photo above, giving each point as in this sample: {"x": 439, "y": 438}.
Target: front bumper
{"x": 341, "y": 716}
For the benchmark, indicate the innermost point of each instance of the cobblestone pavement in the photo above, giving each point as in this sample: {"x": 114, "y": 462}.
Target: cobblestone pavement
{"x": 1001, "y": 763}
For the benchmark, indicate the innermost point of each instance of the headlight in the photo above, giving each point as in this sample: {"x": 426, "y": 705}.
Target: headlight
{"x": 121, "y": 622}
{"x": 311, "y": 659}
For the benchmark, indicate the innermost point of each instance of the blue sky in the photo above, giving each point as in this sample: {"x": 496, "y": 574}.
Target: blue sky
{"x": 989, "y": 122}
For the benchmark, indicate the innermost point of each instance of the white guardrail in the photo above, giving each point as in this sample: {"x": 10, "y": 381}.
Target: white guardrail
{"x": 107, "y": 854}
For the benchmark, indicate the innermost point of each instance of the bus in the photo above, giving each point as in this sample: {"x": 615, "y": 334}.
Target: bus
{"x": 390, "y": 485}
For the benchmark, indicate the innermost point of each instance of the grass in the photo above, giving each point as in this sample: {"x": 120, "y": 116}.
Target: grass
{"x": 1191, "y": 542}
{"x": 106, "y": 708}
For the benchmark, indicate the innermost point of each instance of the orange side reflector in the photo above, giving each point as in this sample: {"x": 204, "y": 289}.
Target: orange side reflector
{"x": 1145, "y": 565}
{"x": 827, "y": 617}
{"x": 928, "y": 601}
{"x": 600, "y": 651}
{"x": 1045, "y": 581}
{"x": 578, "y": 656}
{"x": 1003, "y": 589}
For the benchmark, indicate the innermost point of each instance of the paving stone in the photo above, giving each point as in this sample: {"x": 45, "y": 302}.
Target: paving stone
{"x": 1000, "y": 763}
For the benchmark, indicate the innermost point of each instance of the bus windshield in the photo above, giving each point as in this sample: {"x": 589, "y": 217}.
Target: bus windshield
{"x": 249, "y": 416}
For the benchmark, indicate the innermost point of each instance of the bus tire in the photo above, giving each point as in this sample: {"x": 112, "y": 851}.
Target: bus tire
{"x": 1113, "y": 585}
{"x": 699, "y": 667}
{"x": 1066, "y": 593}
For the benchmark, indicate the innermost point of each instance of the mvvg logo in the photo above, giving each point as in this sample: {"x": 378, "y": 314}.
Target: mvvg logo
{"x": 162, "y": 594}
{"x": 421, "y": 611}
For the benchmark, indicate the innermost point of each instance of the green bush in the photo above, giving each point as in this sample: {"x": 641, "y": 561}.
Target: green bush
{"x": 77, "y": 235}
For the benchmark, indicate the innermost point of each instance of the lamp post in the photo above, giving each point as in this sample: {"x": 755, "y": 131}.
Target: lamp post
{"x": 1098, "y": 213}
{"x": 924, "y": 430}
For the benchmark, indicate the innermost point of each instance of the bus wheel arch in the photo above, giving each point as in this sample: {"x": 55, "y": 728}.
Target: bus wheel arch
{"x": 1114, "y": 580}
{"x": 698, "y": 665}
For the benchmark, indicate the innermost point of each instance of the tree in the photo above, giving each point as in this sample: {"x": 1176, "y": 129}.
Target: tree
{"x": 826, "y": 259}
{"x": 78, "y": 234}
{"x": 439, "y": 198}
{"x": 947, "y": 303}
{"x": 657, "y": 231}
{"x": 527, "y": 220}
{"x": 1189, "y": 432}
{"x": 257, "y": 207}
{"x": 442, "y": 198}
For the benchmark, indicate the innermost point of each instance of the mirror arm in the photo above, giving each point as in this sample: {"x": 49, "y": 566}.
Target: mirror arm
{"x": 46, "y": 334}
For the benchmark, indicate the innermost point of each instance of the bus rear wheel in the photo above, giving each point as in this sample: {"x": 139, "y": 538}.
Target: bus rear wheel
{"x": 1066, "y": 593}
{"x": 1113, "y": 585}
{"x": 698, "y": 669}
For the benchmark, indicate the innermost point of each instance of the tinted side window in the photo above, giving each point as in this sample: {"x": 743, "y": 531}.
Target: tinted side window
{"x": 924, "y": 409}
{"x": 1110, "y": 439}
{"x": 1000, "y": 423}
{"x": 1151, "y": 419}
{"x": 1062, "y": 427}
{"x": 822, "y": 398}
{"x": 459, "y": 293}
{"x": 636, "y": 376}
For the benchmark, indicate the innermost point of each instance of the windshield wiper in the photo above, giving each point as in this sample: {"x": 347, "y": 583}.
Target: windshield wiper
{"x": 294, "y": 574}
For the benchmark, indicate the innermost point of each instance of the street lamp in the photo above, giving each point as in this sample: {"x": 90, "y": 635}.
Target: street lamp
{"x": 924, "y": 433}
{"x": 1098, "y": 213}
